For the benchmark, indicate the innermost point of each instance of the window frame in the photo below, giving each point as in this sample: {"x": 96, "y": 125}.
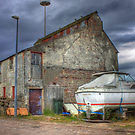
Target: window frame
{"x": 39, "y": 64}
{"x": 36, "y": 53}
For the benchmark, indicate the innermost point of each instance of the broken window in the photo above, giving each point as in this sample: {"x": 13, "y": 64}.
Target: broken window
{"x": 11, "y": 63}
{"x": 36, "y": 65}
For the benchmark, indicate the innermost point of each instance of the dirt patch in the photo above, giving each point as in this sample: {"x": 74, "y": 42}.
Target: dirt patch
{"x": 32, "y": 127}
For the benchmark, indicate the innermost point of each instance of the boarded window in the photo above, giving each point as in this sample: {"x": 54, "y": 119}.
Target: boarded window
{"x": 36, "y": 65}
{"x": 11, "y": 63}
{"x": 13, "y": 92}
{"x": 4, "y": 91}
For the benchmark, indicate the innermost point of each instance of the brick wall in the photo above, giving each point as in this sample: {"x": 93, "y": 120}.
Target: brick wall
{"x": 70, "y": 79}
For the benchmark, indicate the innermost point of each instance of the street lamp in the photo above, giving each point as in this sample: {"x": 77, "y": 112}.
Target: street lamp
{"x": 45, "y": 3}
{"x": 16, "y": 65}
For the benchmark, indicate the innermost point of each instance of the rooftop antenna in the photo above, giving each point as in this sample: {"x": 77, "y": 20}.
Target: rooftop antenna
{"x": 45, "y": 3}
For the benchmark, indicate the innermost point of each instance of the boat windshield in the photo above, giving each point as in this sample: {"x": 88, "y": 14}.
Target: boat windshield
{"x": 126, "y": 78}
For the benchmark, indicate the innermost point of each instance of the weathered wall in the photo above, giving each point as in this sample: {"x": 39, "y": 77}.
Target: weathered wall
{"x": 25, "y": 80}
{"x": 68, "y": 79}
{"x": 8, "y": 78}
{"x": 29, "y": 82}
{"x": 67, "y": 61}
{"x": 87, "y": 48}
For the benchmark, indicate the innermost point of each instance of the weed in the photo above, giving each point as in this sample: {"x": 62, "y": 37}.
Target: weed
{"x": 48, "y": 112}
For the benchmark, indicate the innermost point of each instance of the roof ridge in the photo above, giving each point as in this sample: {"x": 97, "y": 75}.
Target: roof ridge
{"x": 65, "y": 27}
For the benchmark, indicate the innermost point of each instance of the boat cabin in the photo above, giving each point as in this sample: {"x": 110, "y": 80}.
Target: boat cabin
{"x": 111, "y": 80}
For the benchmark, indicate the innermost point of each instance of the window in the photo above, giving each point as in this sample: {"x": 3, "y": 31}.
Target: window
{"x": 126, "y": 78}
{"x": 36, "y": 59}
{"x": 36, "y": 65}
{"x": 13, "y": 92}
{"x": 83, "y": 24}
{"x": 129, "y": 78}
{"x": 4, "y": 92}
{"x": 11, "y": 63}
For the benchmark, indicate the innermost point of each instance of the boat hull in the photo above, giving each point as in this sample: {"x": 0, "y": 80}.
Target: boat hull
{"x": 100, "y": 99}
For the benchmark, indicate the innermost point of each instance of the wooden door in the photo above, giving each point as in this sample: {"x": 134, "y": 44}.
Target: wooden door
{"x": 35, "y": 102}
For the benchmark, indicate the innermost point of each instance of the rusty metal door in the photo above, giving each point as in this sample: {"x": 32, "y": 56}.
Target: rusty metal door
{"x": 35, "y": 102}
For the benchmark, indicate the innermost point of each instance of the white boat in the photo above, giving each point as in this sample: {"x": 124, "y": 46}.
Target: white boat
{"x": 109, "y": 89}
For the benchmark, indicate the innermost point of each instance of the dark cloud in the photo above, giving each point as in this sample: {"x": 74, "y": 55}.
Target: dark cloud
{"x": 124, "y": 39}
{"x": 127, "y": 66}
{"x": 117, "y": 16}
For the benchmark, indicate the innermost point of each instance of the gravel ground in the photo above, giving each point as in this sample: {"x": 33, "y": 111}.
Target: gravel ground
{"x": 32, "y": 127}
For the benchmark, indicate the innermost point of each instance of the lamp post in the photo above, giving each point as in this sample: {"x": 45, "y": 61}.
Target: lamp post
{"x": 45, "y": 3}
{"x": 16, "y": 65}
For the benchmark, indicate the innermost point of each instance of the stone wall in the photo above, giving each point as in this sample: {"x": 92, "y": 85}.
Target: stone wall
{"x": 8, "y": 77}
{"x": 87, "y": 48}
{"x": 25, "y": 80}
{"x": 29, "y": 82}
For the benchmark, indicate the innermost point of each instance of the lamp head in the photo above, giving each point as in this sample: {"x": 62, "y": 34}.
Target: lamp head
{"x": 15, "y": 17}
{"x": 45, "y": 2}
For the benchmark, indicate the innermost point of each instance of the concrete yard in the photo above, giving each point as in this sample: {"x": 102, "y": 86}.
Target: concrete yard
{"x": 32, "y": 127}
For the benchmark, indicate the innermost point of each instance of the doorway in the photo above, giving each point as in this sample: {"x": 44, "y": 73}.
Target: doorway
{"x": 35, "y": 101}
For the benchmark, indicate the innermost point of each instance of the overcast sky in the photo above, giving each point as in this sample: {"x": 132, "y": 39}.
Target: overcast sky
{"x": 118, "y": 17}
